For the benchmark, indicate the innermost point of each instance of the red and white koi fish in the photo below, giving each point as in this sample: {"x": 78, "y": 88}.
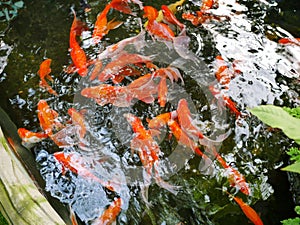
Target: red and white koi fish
{"x": 44, "y": 73}
{"x": 48, "y": 118}
{"x": 75, "y": 164}
{"x": 29, "y": 137}
{"x": 102, "y": 27}
{"x": 248, "y": 211}
{"x": 293, "y": 41}
{"x": 148, "y": 151}
{"x": 78, "y": 119}
{"x": 110, "y": 214}
{"x": 77, "y": 54}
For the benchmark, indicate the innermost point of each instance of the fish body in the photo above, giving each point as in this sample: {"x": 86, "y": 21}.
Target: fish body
{"x": 78, "y": 56}
{"x": 161, "y": 120}
{"x": 78, "y": 119}
{"x": 44, "y": 73}
{"x": 148, "y": 151}
{"x": 119, "y": 62}
{"x": 102, "y": 27}
{"x": 295, "y": 41}
{"x": 248, "y": 211}
{"x": 47, "y": 117}
{"x": 30, "y": 137}
{"x": 110, "y": 214}
{"x": 170, "y": 17}
{"x": 75, "y": 164}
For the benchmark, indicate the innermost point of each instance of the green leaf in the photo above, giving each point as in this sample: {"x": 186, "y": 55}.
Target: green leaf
{"x": 297, "y": 209}
{"x": 295, "y": 167}
{"x": 295, "y": 221}
{"x": 276, "y": 117}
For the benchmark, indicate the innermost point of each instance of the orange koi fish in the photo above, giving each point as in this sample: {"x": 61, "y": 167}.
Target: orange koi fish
{"x": 102, "y": 27}
{"x": 78, "y": 119}
{"x": 31, "y": 137}
{"x": 72, "y": 216}
{"x": 225, "y": 100}
{"x": 235, "y": 178}
{"x": 110, "y": 214}
{"x": 222, "y": 74}
{"x": 186, "y": 121}
{"x": 248, "y": 211}
{"x": 77, "y": 54}
{"x": 148, "y": 151}
{"x": 75, "y": 164}
{"x": 104, "y": 94}
{"x": 201, "y": 16}
{"x": 158, "y": 29}
{"x": 122, "y": 6}
{"x": 161, "y": 120}
{"x": 119, "y": 62}
{"x": 48, "y": 118}
{"x": 295, "y": 41}
{"x": 44, "y": 73}
{"x": 170, "y": 17}
{"x": 170, "y": 72}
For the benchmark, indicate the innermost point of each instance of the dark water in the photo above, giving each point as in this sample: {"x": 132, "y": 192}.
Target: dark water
{"x": 270, "y": 75}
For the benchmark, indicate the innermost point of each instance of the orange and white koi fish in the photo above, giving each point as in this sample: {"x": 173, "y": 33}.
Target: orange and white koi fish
{"x": 119, "y": 62}
{"x": 29, "y": 137}
{"x": 155, "y": 28}
{"x": 248, "y": 211}
{"x": 75, "y": 164}
{"x": 48, "y": 118}
{"x": 44, "y": 73}
{"x": 148, "y": 151}
{"x": 78, "y": 119}
{"x": 161, "y": 120}
{"x": 110, "y": 214}
{"x": 102, "y": 27}
{"x": 294, "y": 41}
{"x": 77, "y": 54}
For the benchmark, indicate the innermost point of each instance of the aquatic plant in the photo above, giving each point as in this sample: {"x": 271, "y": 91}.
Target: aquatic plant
{"x": 9, "y": 10}
{"x": 294, "y": 221}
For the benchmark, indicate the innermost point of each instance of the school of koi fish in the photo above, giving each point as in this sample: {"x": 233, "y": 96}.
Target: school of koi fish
{"x": 149, "y": 84}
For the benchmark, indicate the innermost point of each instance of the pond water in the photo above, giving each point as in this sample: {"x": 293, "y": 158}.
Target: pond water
{"x": 246, "y": 37}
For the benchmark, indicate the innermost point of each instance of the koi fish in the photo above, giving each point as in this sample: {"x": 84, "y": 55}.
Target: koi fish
{"x": 104, "y": 94}
{"x": 119, "y": 62}
{"x": 173, "y": 74}
{"x": 110, "y": 214}
{"x": 75, "y": 164}
{"x": 247, "y": 210}
{"x": 102, "y": 27}
{"x": 170, "y": 17}
{"x": 295, "y": 41}
{"x": 122, "y": 6}
{"x": 161, "y": 120}
{"x": 158, "y": 29}
{"x": 48, "y": 118}
{"x": 72, "y": 216}
{"x": 44, "y": 73}
{"x": 138, "y": 41}
{"x": 77, "y": 54}
{"x": 29, "y": 137}
{"x": 222, "y": 74}
{"x": 78, "y": 119}
{"x": 235, "y": 178}
{"x": 148, "y": 151}
{"x": 224, "y": 99}
{"x": 233, "y": 175}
